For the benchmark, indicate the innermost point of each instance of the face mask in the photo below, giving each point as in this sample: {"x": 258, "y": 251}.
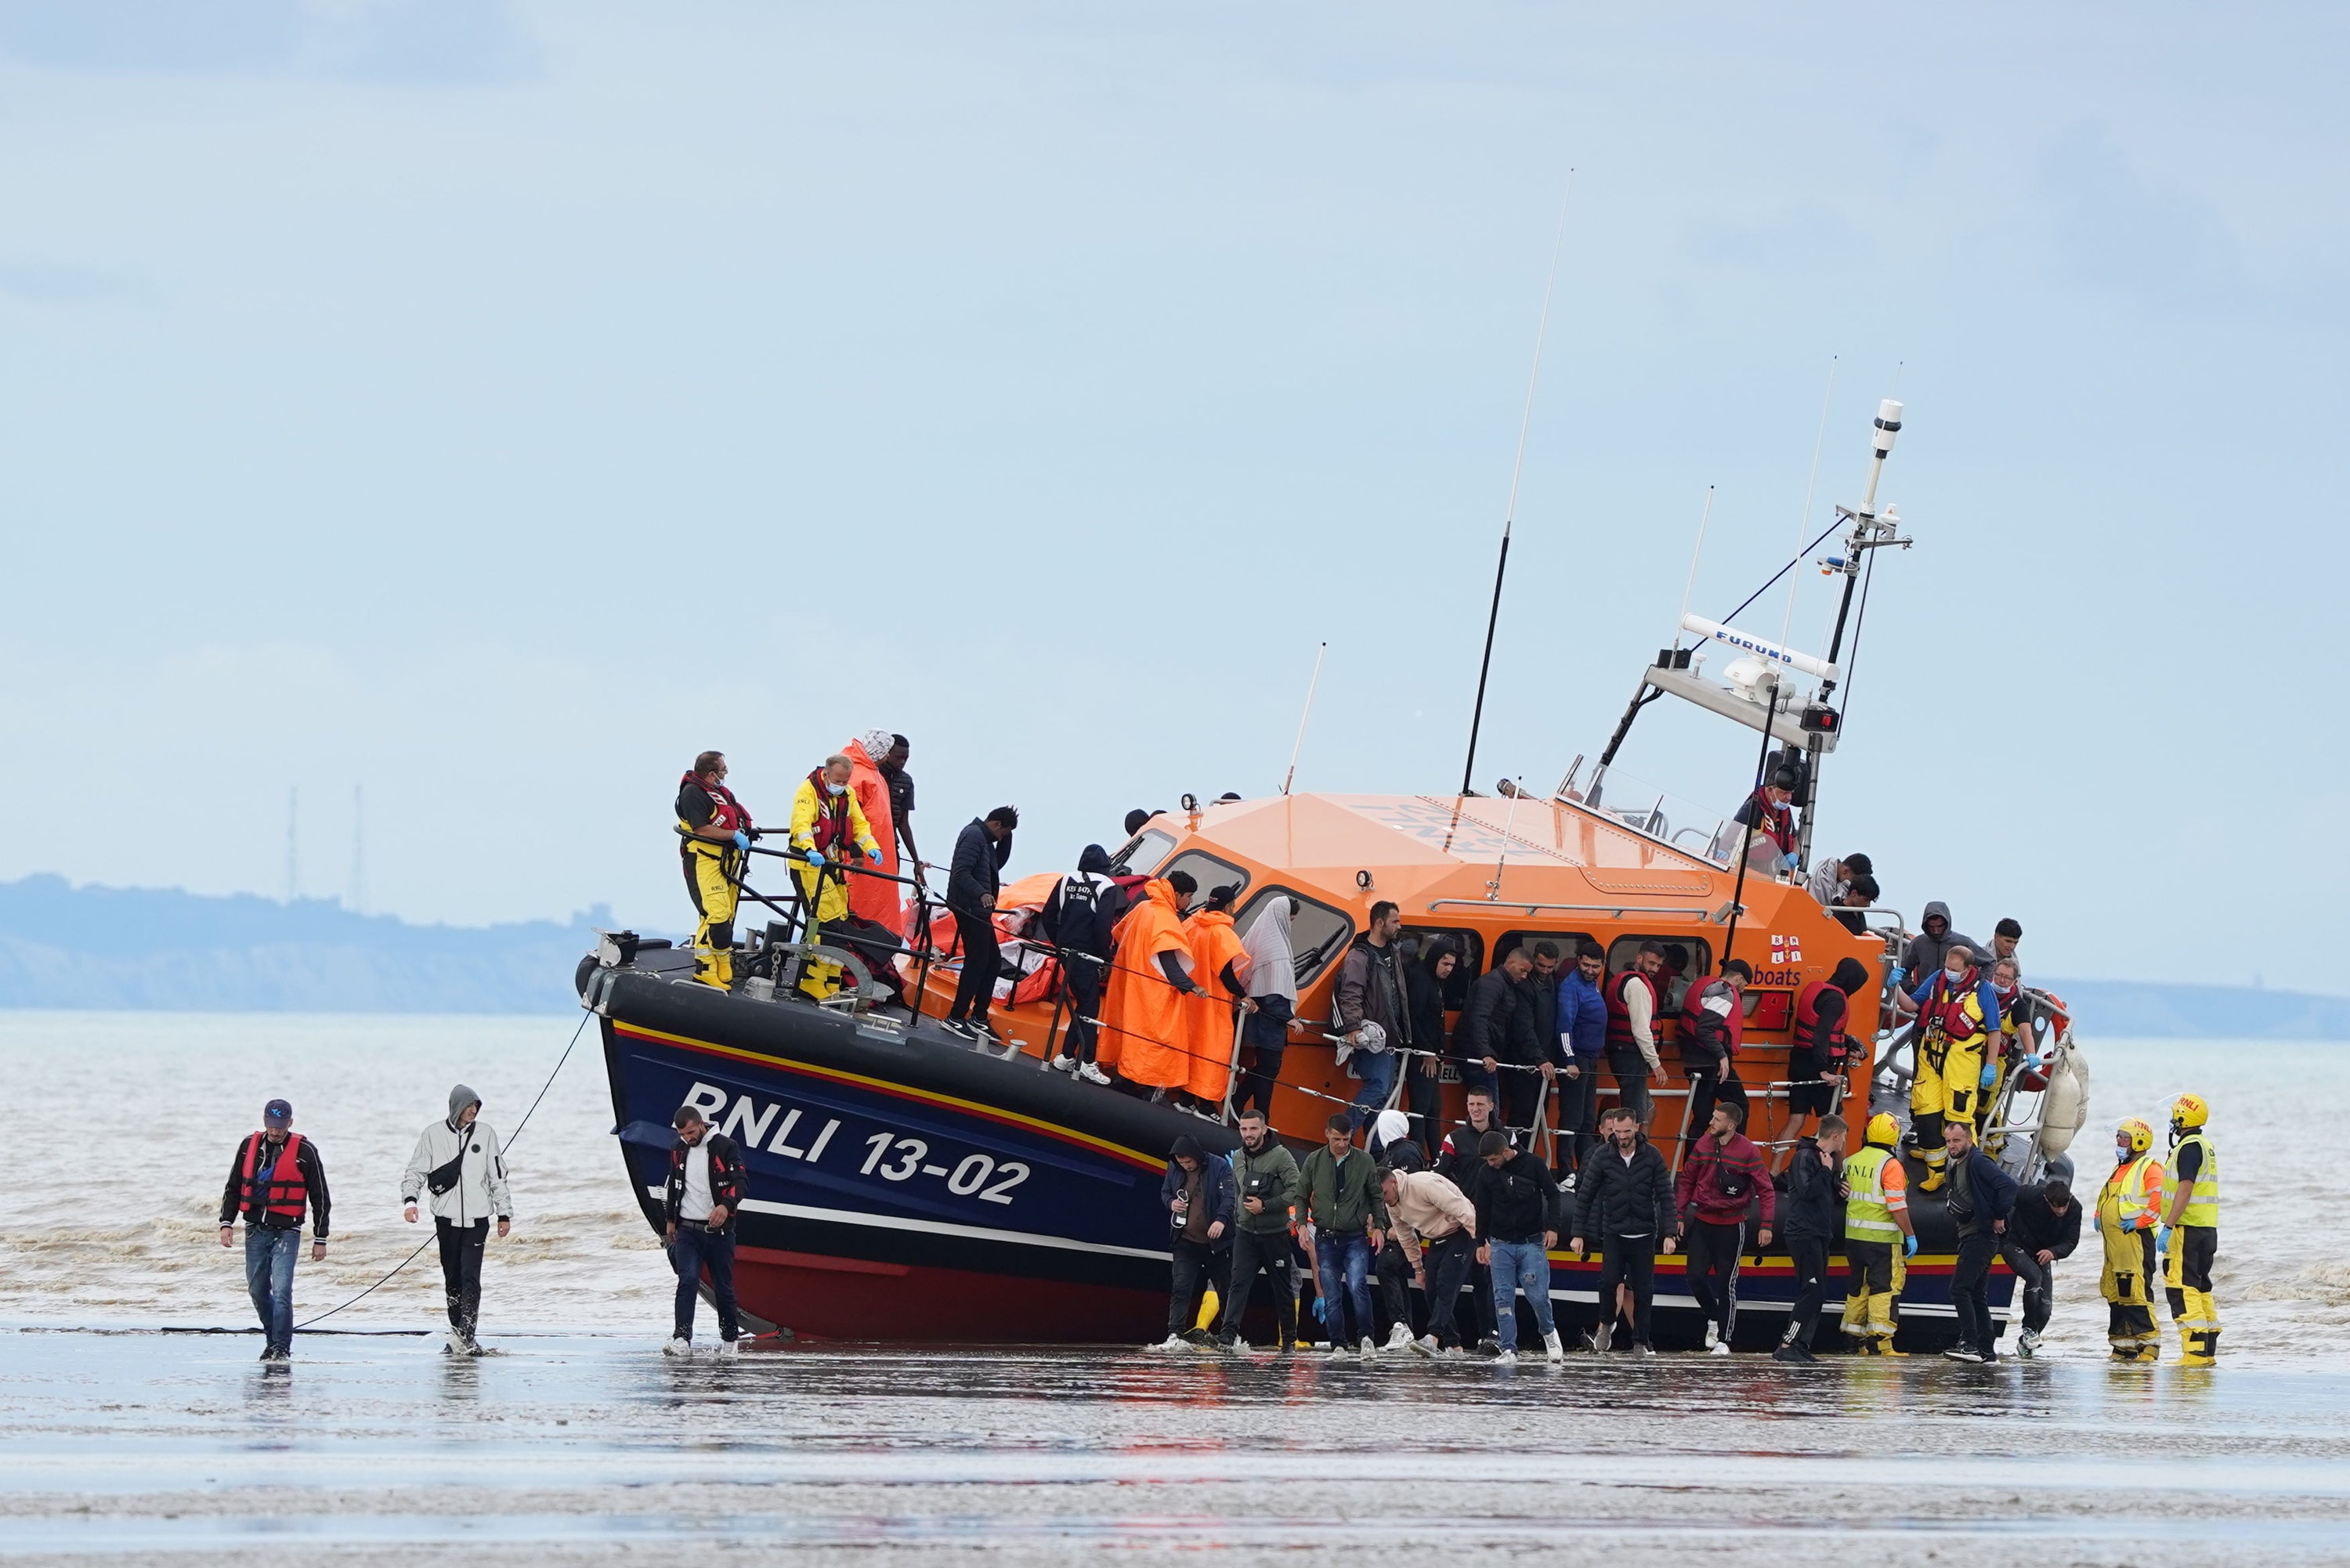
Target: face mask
{"x": 834, "y": 789}
{"x": 1954, "y": 975}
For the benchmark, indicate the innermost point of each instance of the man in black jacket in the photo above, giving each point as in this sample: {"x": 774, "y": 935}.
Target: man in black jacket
{"x": 1535, "y": 1040}
{"x": 1491, "y": 1025}
{"x": 1980, "y": 1197}
{"x": 1517, "y": 1198}
{"x": 705, "y": 1188}
{"x": 1456, "y": 1162}
{"x": 2044, "y": 1226}
{"x": 1809, "y": 1221}
{"x": 973, "y": 878}
{"x": 1624, "y": 1197}
{"x": 274, "y": 1176}
{"x": 1079, "y": 917}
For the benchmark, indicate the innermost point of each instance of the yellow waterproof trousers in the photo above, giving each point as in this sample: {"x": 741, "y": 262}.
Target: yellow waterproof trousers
{"x": 709, "y": 882}
{"x": 2129, "y": 1266}
{"x": 1948, "y": 1087}
{"x": 1876, "y": 1271}
{"x": 829, "y": 901}
{"x": 2187, "y": 1278}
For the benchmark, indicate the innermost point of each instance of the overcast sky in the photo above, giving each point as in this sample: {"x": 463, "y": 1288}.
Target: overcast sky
{"x": 496, "y": 405}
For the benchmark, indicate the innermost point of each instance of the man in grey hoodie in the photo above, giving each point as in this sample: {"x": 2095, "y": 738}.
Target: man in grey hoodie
{"x": 460, "y": 1167}
{"x": 1927, "y": 951}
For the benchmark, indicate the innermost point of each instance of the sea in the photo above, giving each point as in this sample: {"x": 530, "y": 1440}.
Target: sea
{"x": 136, "y": 1426}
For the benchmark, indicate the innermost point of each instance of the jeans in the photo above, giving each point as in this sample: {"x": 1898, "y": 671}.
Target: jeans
{"x": 1520, "y": 1266}
{"x": 1378, "y": 1070}
{"x": 975, "y": 992}
{"x": 697, "y": 1248}
{"x": 1266, "y": 1253}
{"x": 2034, "y": 1280}
{"x": 1714, "y": 1250}
{"x": 1629, "y": 1260}
{"x": 1970, "y": 1289}
{"x": 269, "y": 1257}
{"x": 1194, "y": 1264}
{"x": 1447, "y": 1264}
{"x": 1810, "y": 1256}
{"x": 460, "y": 1269}
{"x": 1345, "y": 1265}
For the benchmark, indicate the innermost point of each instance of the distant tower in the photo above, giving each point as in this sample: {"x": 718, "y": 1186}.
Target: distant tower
{"x": 293, "y": 864}
{"x": 358, "y": 850}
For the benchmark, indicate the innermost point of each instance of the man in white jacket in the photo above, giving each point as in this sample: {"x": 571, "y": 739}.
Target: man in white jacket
{"x": 460, "y": 1167}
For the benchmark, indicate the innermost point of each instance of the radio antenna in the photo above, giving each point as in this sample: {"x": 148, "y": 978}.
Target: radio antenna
{"x": 1517, "y": 467}
{"x": 1291, "y": 776}
{"x": 1689, "y": 588}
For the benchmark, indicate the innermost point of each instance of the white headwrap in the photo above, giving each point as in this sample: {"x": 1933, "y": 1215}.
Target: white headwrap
{"x": 1272, "y": 965}
{"x": 876, "y": 744}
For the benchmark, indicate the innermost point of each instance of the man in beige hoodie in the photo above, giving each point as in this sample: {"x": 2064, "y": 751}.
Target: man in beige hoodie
{"x": 1435, "y": 1224}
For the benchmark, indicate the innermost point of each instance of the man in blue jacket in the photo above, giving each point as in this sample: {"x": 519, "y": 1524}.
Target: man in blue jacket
{"x": 1582, "y": 1042}
{"x": 1982, "y": 1195}
{"x": 1200, "y": 1204}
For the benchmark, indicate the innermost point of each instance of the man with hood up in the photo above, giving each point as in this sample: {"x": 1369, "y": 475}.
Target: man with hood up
{"x": 460, "y": 1167}
{"x": 1926, "y": 952}
{"x": 1821, "y": 1051}
{"x": 1150, "y": 975}
{"x": 871, "y": 897}
{"x": 1077, "y": 919}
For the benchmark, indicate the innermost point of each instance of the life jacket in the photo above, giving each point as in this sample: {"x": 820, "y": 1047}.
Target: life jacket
{"x": 1953, "y": 1016}
{"x": 1619, "y": 1013}
{"x": 1868, "y": 1216}
{"x": 831, "y": 829}
{"x": 1807, "y": 1023}
{"x": 2203, "y": 1200}
{"x": 1733, "y": 1027}
{"x": 281, "y": 1189}
{"x": 2134, "y": 1188}
{"x": 1776, "y": 823}
{"x": 725, "y": 812}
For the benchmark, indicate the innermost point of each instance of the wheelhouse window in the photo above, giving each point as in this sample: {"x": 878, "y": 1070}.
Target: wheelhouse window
{"x": 1317, "y": 932}
{"x": 1209, "y": 872}
{"x": 1143, "y": 854}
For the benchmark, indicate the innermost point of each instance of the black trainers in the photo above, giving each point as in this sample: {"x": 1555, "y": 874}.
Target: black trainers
{"x": 1794, "y": 1353}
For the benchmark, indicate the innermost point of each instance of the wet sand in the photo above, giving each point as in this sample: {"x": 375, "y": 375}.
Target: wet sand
{"x": 592, "y": 1449}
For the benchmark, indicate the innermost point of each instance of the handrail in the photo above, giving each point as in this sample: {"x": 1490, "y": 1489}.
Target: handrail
{"x": 1616, "y": 911}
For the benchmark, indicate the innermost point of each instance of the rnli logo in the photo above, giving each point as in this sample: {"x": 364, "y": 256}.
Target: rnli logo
{"x": 1785, "y": 950}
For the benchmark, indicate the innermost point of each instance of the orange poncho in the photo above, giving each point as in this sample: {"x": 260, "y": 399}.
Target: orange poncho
{"x": 1208, "y": 1017}
{"x": 870, "y": 896}
{"x": 1142, "y": 1028}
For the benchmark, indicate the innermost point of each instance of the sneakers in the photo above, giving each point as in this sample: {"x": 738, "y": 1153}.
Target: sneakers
{"x": 1489, "y": 1346}
{"x": 1717, "y": 1347}
{"x": 1712, "y": 1335}
{"x": 1507, "y": 1358}
{"x": 1173, "y": 1342}
{"x": 1063, "y": 1064}
{"x": 1603, "y": 1337}
{"x": 1339, "y": 1353}
{"x": 1551, "y": 1349}
{"x": 679, "y": 1346}
{"x": 1093, "y": 1074}
{"x": 1367, "y": 1349}
{"x": 1398, "y": 1338}
{"x": 727, "y": 1347}
{"x": 1426, "y": 1344}
{"x": 1451, "y": 1353}
{"x": 1793, "y": 1353}
{"x": 1198, "y": 1339}
{"x": 269, "y": 1353}
{"x": 1231, "y": 1344}
{"x": 1642, "y": 1348}
{"x": 1966, "y": 1353}
{"x": 2026, "y": 1344}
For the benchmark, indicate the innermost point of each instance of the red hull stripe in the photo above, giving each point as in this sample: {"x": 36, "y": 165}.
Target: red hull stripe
{"x": 899, "y": 1091}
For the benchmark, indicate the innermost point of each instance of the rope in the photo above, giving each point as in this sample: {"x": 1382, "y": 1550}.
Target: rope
{"x": 511, "y": 1141}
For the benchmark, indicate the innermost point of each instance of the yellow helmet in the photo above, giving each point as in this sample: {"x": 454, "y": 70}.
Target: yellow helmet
{"x": 2137, "y": 1134}
{"x": 1883, "y": 1130}
{"x": 2190, "y": 1111}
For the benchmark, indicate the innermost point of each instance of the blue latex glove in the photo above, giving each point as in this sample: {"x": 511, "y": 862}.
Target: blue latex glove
{"x": 1899, "y": 975}
{"x": 1990, "y": 1075}
{"x": 1791, "y": 859}
{"x": 1908, "y": 1246}
{"x": 815, "y": 857}
{"x": 742, "y": 840}
{"x": 2034, "y": 1063}
{"x": 2129, "y": 1223}
{"x": 1321, "y": 1310}
{"x": 2162, "y": 1239}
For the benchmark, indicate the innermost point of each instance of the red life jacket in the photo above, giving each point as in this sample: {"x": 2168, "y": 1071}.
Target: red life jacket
{"x": 1619, "y": 1013}
{"x": 1733, "y": 1027}
{"x": 285, "y": 1190}
{"x": 1807, "y": 1023}
{"x": 1776, "y": 823}
{"x": 726, "y": 813}
{"x": 831, "y": 829}
{"x": 1945, "y": 1011}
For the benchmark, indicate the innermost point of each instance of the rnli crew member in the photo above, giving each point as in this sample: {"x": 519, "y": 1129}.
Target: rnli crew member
{"x": 2194, "y": 1231}
{"x": 1271, "y": 976}
{"x": 1821, "y": 1050}
{"x": 827, "y": 827}
{"x": 1077, "y": 919}
{"x": 1635, "y": 1003}
{"x": 1197, "y": 1193}
{"x": 2044, "y": 1225}
{"x": 698, "y": 1209}
{"x": 1371, "y": 991}
{"x": 1211, "y": 1018}
{"x": 1770, "y": 811}
{"x": 1149, "y": 976}
{"x": 1958, "y": 1014}
{"x": 1878, "y": 1238}
{"x": 276, "y": 1172}
{"x": 1982, "y": 1195}
{"x": 2012, "y": 1046}
{"x": 2129, "y": 1212}
{"x": 460, "y": 1165}
{"x": 717, "y": 834}
{"x": 1624, "y": 1196}
{"x": 1264, "y": 1174}
{"x": 1816, "y": 1200}
{"x": 973, "y": 879}
{"x": 876, "y": 899}
{"x": 1724, "y": 1178}
{"x": 1490, "y": 1022}
{"x": 1713, "y": 1021}
{"x": 1582, "y": 1043}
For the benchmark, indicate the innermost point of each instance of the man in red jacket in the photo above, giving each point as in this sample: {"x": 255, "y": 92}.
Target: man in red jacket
{"x": 1721, "y": 1178}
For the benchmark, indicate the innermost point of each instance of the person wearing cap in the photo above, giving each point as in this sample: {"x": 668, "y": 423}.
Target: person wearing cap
{"x": 276, "y": 1173}
{"x": 461, "y": 1168}
{"x": 1768, "y": 815}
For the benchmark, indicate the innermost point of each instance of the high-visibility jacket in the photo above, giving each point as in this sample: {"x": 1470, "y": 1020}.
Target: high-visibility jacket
{"x": 2203, "y": 1198}
{"x": 1953, "y": 1015}
{"x": 2133, "y": 1191}
{"x": 1879, "y": 1186}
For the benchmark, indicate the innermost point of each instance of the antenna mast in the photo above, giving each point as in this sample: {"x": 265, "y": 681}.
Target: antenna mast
{"x": 1510, "y": 512}
{"x": 1291, "y": 776}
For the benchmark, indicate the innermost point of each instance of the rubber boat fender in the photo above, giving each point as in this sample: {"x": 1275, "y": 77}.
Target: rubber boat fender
{"x": 2062, "y": 1110}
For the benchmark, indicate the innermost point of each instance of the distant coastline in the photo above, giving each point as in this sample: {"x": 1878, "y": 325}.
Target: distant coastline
{"x": 136, "y": 949}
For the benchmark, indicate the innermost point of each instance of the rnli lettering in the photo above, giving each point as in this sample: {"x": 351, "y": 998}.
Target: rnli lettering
{"x": 781, "y": 1129}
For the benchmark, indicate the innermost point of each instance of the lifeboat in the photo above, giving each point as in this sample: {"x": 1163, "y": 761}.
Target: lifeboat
{"x": 909, "y": 1183}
